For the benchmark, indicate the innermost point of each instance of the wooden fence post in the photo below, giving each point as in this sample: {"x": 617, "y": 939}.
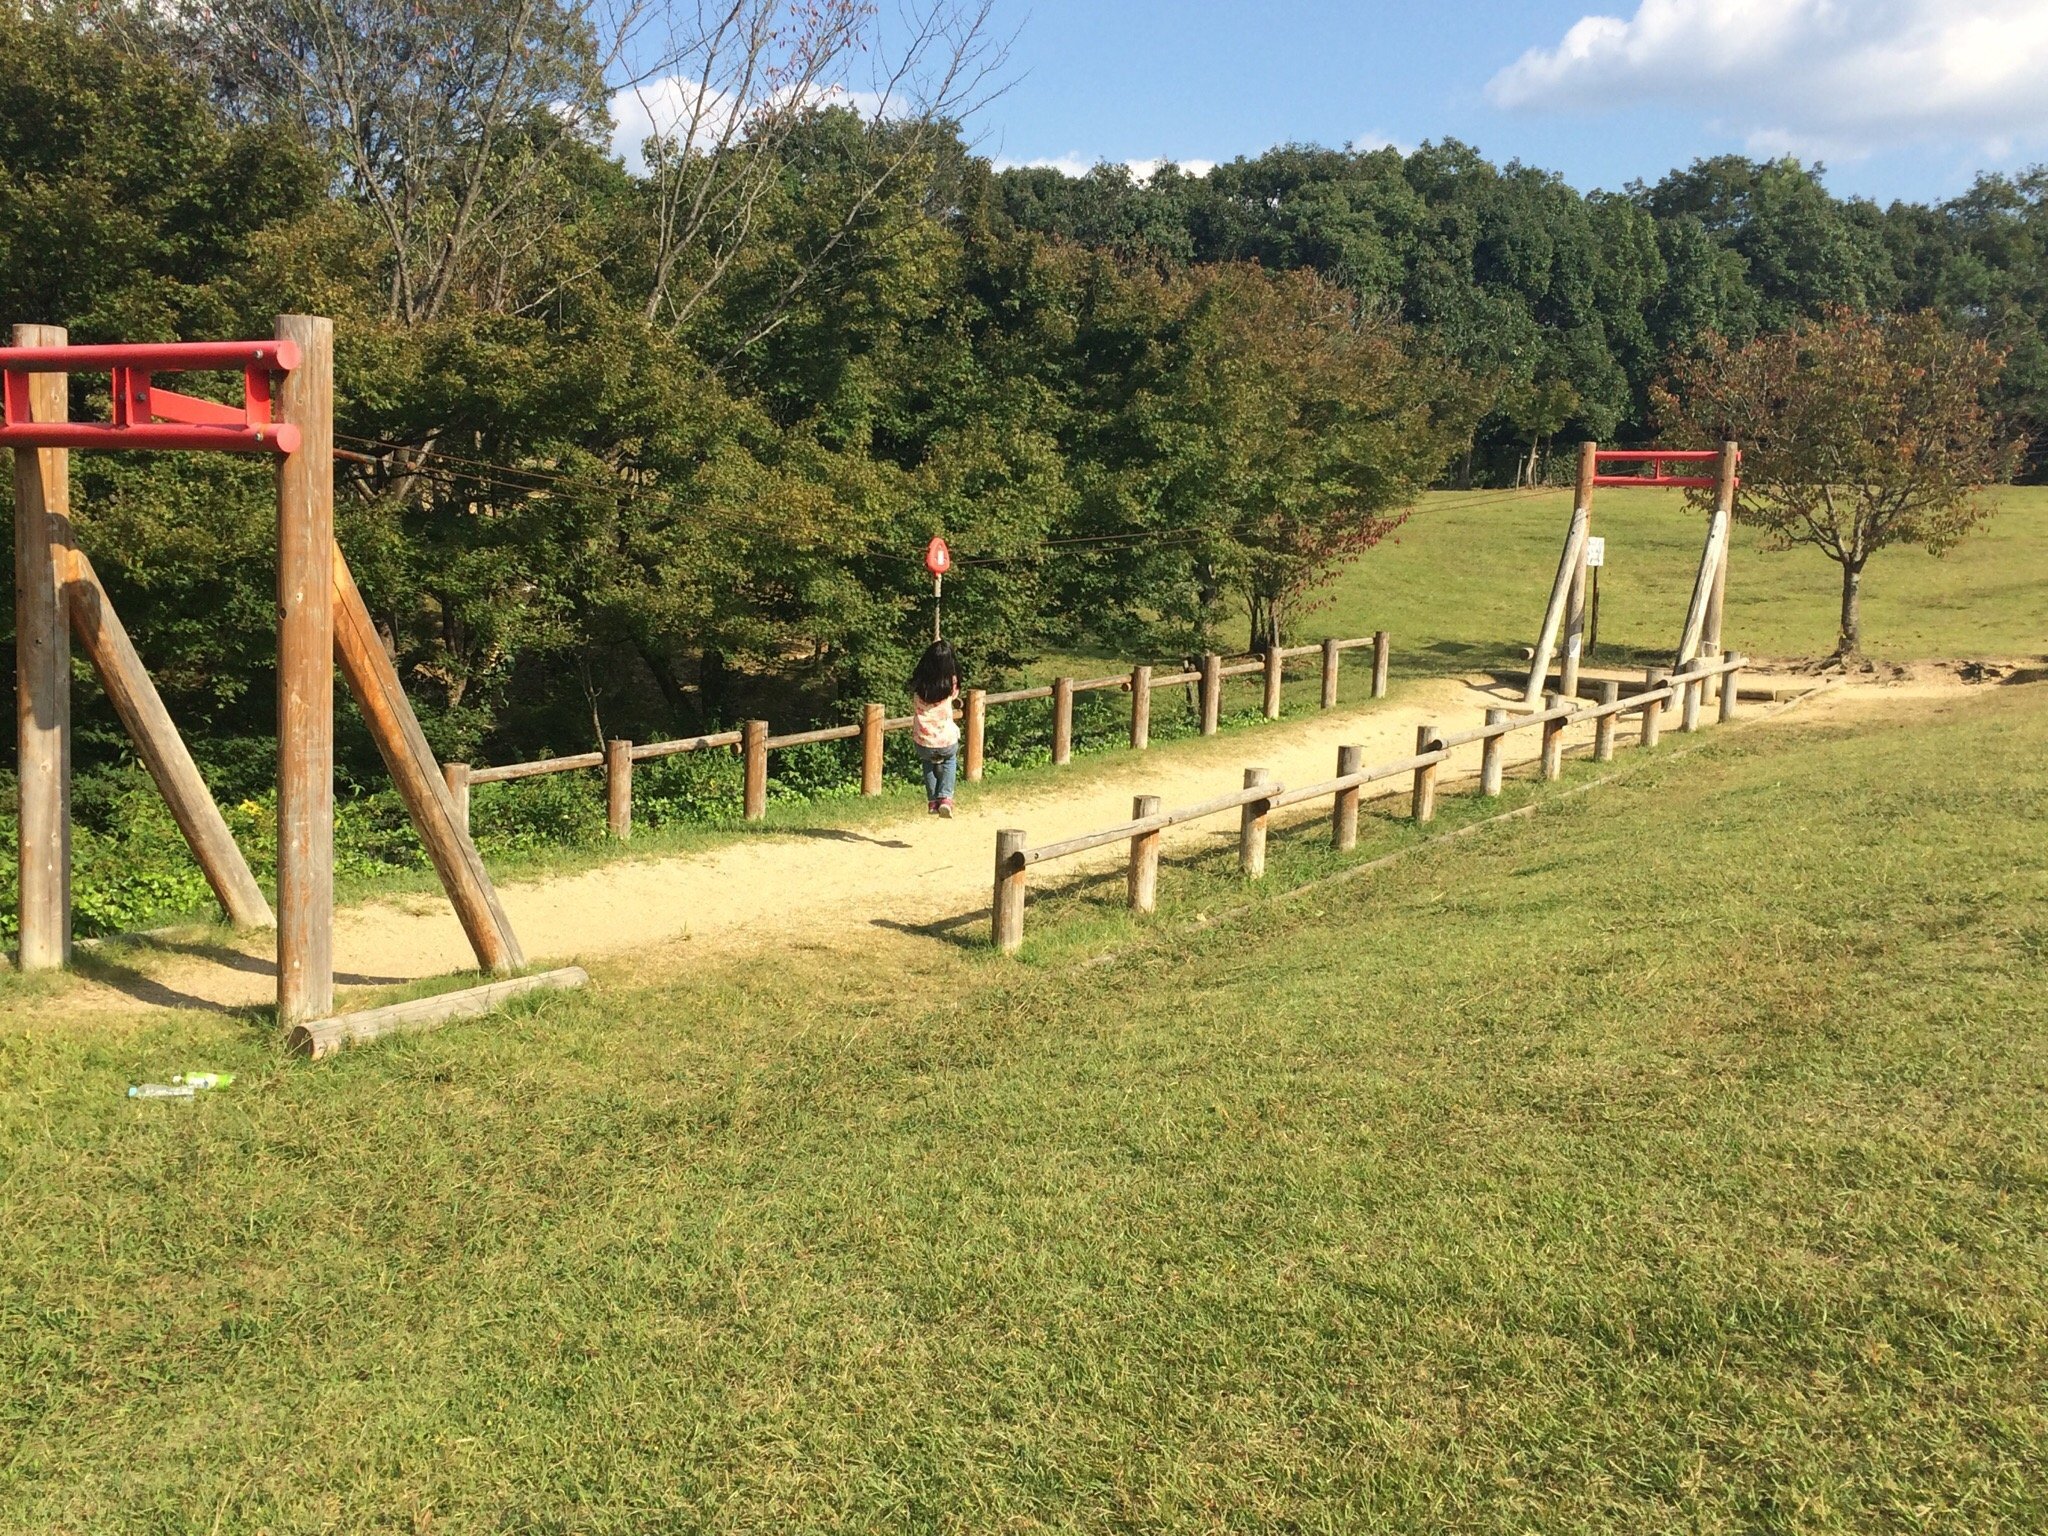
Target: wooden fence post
{"x": 42, "y": 672}
{"x": 1141, "y": 709}
{"x": 871, "y": 749}
{"x": 1006, "y": 919}
{"x": 1062, "y": 720}
{"x": 1344, "y": 809}
{"x": 1212, "y": 692}
{"x": 1553, "y": 738}
{"x": 1603, "y": 731}
{"x": 618, "y": 790}
{"x": 754, "y": 770}
{"x": 1380, "y": 647}
{"x": 456, "y": 777}
{"x": 1251, "y": 828}
{"x": 1490, "y": 755}
{"x": 1728, "y": 688}
{"x": 1653, "y": 709}
{"x": 1575, "y": 597}
{"x": 974, "y": 731}
{"x": 1689, "y": 698}
{"x": 1274, "y": 662}
{"x": 1422, "y": 802}
{"x": 1331, "y": 657}
{"x": 305, "y": 678}
{"x": 1142, "y": 883}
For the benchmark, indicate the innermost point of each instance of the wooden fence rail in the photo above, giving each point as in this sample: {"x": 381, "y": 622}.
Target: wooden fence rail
{"x": 1256, "y": 801}
{"x": 754, "y": 742}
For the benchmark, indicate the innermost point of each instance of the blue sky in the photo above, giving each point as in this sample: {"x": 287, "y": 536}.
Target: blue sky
{"x": 1901, "y": 98}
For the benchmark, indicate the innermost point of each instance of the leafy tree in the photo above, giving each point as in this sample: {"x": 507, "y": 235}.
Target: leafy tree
{"x": 1857, "y": 434}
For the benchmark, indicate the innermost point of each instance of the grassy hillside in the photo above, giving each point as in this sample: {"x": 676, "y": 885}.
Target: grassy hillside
{"x": 1674, "y": 1160}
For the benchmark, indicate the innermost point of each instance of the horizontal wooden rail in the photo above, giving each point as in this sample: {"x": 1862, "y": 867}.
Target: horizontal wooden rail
{"x": 807, "y": 738}
{"x": 534, "y": 770}
{"x": 1154, "y": 823}
{"x": 652, "y": 749}
{"x": 1018, "y": 695}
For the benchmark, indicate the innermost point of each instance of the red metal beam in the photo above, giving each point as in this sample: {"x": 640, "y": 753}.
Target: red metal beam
{"x": 143, "y": 416}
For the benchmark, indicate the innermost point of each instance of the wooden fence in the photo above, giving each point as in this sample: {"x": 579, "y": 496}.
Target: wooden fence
{"x": 1259, "y": 797}
{"x": 755, "y": 743}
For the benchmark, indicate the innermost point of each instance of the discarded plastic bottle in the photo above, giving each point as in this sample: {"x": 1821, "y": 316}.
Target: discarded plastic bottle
{"x": 161, "y": 1091}
{"x": 204, "y": 1079}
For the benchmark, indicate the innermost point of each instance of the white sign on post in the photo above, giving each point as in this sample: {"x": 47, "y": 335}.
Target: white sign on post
{"x": 1596, "y": 551}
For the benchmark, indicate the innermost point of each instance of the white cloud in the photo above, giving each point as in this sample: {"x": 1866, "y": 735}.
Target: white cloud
{"x": 1810, "y": 75}
{"x": 667, "y": 105}
{"x": 1074, "y": 164}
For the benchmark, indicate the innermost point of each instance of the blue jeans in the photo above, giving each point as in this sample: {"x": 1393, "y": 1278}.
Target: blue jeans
{"x": 938, "y": 763}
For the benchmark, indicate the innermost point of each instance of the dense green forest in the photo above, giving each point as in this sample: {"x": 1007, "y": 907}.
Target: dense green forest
{"x": 642, "y": 450}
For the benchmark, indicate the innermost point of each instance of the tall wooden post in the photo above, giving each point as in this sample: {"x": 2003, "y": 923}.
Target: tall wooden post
{"x": 456, "y": 777}
{"x": 1141, "y": 708}
{"x": 871, "y": 749}
{"x": 1569, "y": 564}
{"x": 1331, "y": 657}
{"x": 1490, "y": 750}
{"x": 1422, "y": 800}
{"x": 1603, "y": 729}
{"x": 1717, "y": 596}
{"x": 1381, "y": 645}
{"x": 1653, "y": 709}
{"x": 305, "y": 679}
{"x": 618, "y": 790}
{"x": 42, "y": 672}
{"x": 1344, "y": 808}
{"x": 1212, "y": 692}
{"x": 1062, "y": 719}
{"x": 1006, "y": 914}
{"x": 1251, "y": 830}
{"x": 1274, "y": 662}
{"x": 1142, "y": 882}
{"x": 974, "y": 732}
{"x": 1575, "y": 601}
{"x": 754, "y": 770}
{"x": 1553, "y": 738}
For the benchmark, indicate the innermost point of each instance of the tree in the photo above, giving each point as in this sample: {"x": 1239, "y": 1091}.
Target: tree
{"x": 1858, "y": 433}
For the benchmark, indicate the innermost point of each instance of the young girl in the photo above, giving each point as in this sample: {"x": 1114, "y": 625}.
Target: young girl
{"x": 933, "y": 687}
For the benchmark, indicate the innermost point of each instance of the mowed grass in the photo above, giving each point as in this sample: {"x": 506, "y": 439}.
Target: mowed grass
{"x": 1673, "y": 1160}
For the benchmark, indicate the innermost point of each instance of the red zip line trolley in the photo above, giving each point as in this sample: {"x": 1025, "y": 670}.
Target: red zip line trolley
{"x": 287, "y": 412}
{"x": 1566, "y": 610}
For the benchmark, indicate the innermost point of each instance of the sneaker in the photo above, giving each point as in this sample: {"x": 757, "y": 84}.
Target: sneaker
{"x": 931, "y": 807}
{"x": 945, "y": 809}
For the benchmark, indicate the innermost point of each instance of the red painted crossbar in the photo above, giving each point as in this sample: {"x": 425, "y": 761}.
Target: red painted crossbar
{"x": 144, "y": 416}
{"x": 1657, "y": 458}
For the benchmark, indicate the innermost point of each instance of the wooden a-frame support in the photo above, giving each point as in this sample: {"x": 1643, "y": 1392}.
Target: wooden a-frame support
{"x": 1566, "y": 610}
{"x": 322, "y": 621}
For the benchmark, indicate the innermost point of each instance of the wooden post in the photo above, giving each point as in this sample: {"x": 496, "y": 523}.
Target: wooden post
{"x": 1717, "y": 596}
{"x": 1062, "y": 720}
{"x": 42, "y": 672}
{"x": 1380, "y": 647}
{"x": 1344, "y": 809}
{"x": 305, "y": 678}
{"x": 1575, "y": 603}
{"x": 1653, "y": 709}
{"x": 1490, "y": 755}
{"x": 456, "y": 777}
{"x": 754, "y": 772}
{"x": 1689, "y": 696}
{"x": 1274, "y": 662}
{"x": 1728, "y": 689}
{"x": 1142, "y": 883}
{"x": 392, "y": 725}
{"x": 1603, "y": 729}
{"x": 324, "y": 1037}
{"x": 1553, "y": 739}
{"x": 618, "y": 790}
{"x": 974, "y": 731}
{"x": 1422, "y": 803}
{"x": 157, "y": 742}
{"x": 1006, "y": 921}
{"x": 1568, "y": 564}
{"x": 1691, "y": 638}
{"x": 1212, "y": 692}
{"x": 871, "y": 749}
{"x": 1331, "y": 657}
{"x": 1251, "y": 828}
{"x": 1141, "y": 710}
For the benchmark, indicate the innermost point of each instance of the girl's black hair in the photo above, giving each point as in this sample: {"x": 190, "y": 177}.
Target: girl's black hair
{"x": 937, "y": 673}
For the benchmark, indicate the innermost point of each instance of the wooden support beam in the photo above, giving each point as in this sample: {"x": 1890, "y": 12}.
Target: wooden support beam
{"x": 1568, "y": 565}
{"x": 1717, "y": 598}
{"x": 1275, "y": 661}
{"x": 1142, "y": 881}
{"x": 1251, "y": 829}
{"x": 326, "y": 1037}
{"x": 1692, "y": 636}
{"x": 754, "y": 773}
{"x": 1062, "y": 720}
{"x": 1212, "y": 692}
{"x": 381, "y": 698}
{"x": 42, "y": 672}
{"x": 1490, "y": 751}
{"x": 1575, "y": 602}
{"x": 1422, "y": 799}
{"x": 1141, "y": 708}
{"x": 1332, "y": 658}
{"x": 871, "y": 749}
{"x": 1006, "y": 913}
{"x": 157, "y": 742}
{"x": 1344, "y": 806}
{"x": 618, "y": 791}
{"x": 1382, "y": 645}
{"x": 974, "y": 733}
{"x": 1603, "y": 728}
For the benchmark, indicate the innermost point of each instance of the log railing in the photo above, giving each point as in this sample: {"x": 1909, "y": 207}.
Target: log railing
{"x": 754, "y": 742}
{"x": 1259, "y": 798}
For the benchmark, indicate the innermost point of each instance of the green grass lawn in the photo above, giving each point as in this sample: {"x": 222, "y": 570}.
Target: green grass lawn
{"x": 1674, "y": 1160}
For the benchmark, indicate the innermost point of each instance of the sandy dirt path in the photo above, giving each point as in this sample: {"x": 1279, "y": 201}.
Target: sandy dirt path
{"x": 855, "y": 886}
